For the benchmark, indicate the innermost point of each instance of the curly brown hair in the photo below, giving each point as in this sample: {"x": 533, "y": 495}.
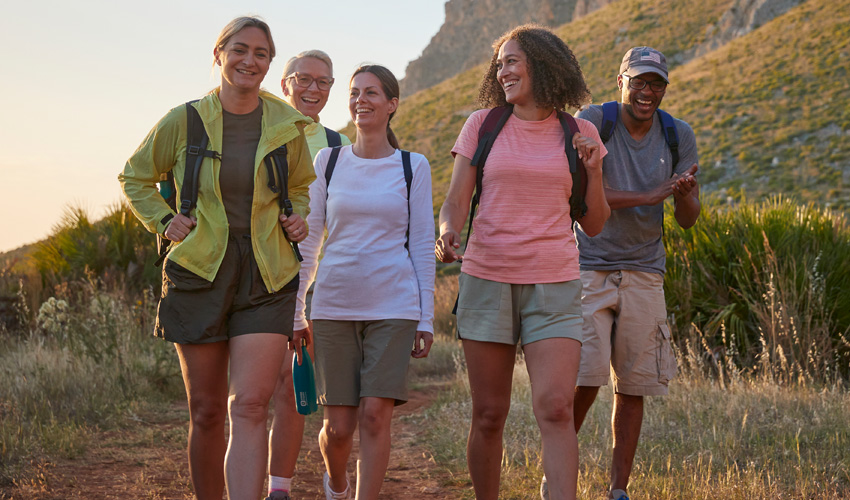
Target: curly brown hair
{"x": 556, "y": 77}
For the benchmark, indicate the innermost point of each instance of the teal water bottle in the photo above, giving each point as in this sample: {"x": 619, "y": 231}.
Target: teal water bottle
{"x": 304, "y": 382}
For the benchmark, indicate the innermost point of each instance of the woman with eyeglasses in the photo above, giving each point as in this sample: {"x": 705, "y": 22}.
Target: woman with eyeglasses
{"x": 230, "y": 279}
{"x": 519, "y": 281}
{"x": 374, "y": 297}
{"x": 306, "y": 83}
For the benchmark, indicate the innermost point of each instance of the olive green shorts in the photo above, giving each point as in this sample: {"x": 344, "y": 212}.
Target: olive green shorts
{"x": 193, "y": 310}
{"x": 359, "y": 359}
{"x": 491, "y": 311}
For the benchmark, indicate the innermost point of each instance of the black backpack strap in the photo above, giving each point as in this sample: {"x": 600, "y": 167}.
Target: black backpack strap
{"x": 276, "y": 160}
{"x": 610, "y": 110}
{"x": 668, "y": 126}
{"x": 408, "y": 180}
{"x": 487, "y": 133}
{"x": 578, "y": 205}
{"x": 329, "y": 168}
{"x": 333, "y": 137}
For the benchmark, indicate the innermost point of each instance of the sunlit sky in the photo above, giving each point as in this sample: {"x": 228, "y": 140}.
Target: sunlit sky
{"x": 83, "y": 82}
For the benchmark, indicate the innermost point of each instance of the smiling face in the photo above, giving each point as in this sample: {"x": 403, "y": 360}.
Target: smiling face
{"x": 312, "y": 100}
{"x": 640, "y": 105}
{"x": 368, "y": 103}
{"x": 513, "y": 75}
{"x": 244, "y": 60}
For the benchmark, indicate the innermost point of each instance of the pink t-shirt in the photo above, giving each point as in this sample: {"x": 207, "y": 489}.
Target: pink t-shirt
{"x": 522, "y": 232}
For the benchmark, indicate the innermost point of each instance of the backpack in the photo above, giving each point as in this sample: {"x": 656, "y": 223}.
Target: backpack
{"x": 196, "y": 150}
{"x": 408, "y": 179}
{"x": 610, "y": 112}
{"x": 333, "y": 137}
{"x": 487, "y": 134}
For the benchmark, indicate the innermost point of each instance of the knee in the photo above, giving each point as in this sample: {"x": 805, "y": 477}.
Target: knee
{"x": 249, "y": 407}
{"x": 374, "y": 421}
{"x": 554, "y": 409}
{"x": 284, "y": 394}
{"x": 489, "y": 420}
{"x": 207, "y": 413}
{"x": 338, "y": 432}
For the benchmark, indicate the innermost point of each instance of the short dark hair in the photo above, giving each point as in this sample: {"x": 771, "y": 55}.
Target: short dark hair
{"x": 556, "y": 77}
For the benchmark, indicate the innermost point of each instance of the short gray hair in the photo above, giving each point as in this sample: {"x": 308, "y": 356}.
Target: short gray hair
{"x": 315, "y": 54}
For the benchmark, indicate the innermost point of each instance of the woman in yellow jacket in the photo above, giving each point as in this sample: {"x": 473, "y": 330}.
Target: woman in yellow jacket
{"x": 231, "y": 276}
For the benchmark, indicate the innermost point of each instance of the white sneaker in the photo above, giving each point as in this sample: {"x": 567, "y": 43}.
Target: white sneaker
{"x": 330, "y": 494}
{"x": 544, "y": 489}
{"x": 619, "y": 495}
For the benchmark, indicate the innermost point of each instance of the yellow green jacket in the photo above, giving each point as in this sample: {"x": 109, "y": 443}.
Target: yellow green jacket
{"x": 164, "y": 149}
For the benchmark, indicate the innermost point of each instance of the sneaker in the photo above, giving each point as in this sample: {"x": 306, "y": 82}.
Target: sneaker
{"x": 330, "y": 494}
{"x": 619, "y": 495}
{"x": 544, "y": 489}
{"x": 278, "y": 495}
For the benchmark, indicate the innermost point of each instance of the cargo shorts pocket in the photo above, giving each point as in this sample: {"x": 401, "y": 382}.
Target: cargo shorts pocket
{"x": 563, "y": 297}
{"x": 478, "y": 294}
{"x": 665, "y": 357}
{"x": 177, "y": 277}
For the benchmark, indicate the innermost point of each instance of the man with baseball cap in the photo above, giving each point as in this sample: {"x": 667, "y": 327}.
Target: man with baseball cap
{"x": 622, "y": 268}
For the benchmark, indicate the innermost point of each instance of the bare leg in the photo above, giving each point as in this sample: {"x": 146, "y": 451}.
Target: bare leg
{"x": 254, "y": 367}
{"x": 335, "y": 441}
{"x": 490, "y": 367}
{"x": 584, "y": 398}
{"x": 552, "y": 369}
{"x": 375, "y": 417}
{"x": 626, "y": 423}
{"x": 204, "y": 368}
{"x": 288, "y": 425}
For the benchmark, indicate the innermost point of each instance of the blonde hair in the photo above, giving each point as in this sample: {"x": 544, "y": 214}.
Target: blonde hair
{"x": 315, "y": 54}
{"x": 240, "y": 23}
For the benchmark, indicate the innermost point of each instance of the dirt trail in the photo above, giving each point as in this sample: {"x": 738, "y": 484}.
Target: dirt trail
{"x": 147, "y": 460}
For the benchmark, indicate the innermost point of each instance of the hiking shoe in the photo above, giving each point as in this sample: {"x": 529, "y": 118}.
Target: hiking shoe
{"x": 278, "y": 495}
{"x": 544, "y": 489}
{"x": 330, "y": 494}
{"x": 619, "y": 495}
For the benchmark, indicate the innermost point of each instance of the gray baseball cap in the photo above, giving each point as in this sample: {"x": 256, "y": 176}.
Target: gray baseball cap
{"x": 639, "y": 60}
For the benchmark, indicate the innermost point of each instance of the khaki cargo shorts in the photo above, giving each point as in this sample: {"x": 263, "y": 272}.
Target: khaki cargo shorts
{"x": 625, "y": 333}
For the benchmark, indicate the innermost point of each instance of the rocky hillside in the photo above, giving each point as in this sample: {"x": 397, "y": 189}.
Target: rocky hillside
{"x": 767, "y": 92}
{"x": 465, "y": 38}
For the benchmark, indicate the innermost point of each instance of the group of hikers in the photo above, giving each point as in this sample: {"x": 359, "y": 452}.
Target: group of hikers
{"x": 262, "y": 185}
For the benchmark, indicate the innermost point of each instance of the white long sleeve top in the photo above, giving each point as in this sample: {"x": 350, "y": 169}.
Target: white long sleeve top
{"x": 367, "y": 273}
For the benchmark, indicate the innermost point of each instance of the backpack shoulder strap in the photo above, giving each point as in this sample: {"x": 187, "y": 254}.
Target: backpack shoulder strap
{"x": 610, "y": 110}
{"x": 277, "y": 161}
{"x": 668, "y": 126}
{"x": 333, "y": 137}
{"x": 578, "y": 206}
{"x": 408, "y": 180}
{"x": 487, "y": 133}
{"x": 329, "y": 168}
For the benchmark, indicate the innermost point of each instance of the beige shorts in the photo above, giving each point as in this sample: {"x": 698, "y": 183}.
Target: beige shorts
{"x": 491, "y": 311}
{"x": 358, "y": 359}
{"x": 626, "y": 332}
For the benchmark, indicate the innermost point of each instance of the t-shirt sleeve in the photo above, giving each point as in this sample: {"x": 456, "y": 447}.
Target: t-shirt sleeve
{"x": 467, "y": 141}
{"x": 687, "y": 147}
{"x": 588, "y": 129}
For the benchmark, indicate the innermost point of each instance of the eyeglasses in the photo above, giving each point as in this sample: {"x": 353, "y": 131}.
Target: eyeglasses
{"x": 640, "y": 84}
{"x": 304, "y": 81}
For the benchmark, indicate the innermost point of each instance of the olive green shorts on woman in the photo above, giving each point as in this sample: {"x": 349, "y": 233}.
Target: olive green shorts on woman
{"x": 193, "y": 310}
{"x": 505, "y": 313}
{"x": 359, "y": 359}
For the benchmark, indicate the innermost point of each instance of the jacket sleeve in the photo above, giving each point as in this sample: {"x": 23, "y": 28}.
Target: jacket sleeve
{"x": 301, "y": 175}
{"x": 156, "y": 156}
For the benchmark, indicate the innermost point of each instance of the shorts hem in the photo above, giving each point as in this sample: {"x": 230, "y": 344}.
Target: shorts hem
{"x": 640, "y": 390}
{"x": 484, "y": 338}
{"x": 591, "y": 381}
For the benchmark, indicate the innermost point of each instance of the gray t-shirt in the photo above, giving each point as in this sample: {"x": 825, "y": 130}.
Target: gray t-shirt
{"x": 631, "y": 239}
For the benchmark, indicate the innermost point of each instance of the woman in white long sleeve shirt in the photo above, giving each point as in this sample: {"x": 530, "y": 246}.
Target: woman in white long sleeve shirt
{"x": 374, "y": 293}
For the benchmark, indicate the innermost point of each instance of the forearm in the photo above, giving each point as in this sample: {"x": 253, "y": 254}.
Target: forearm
{"x": 627, "y": 199}
{"x": 687, "y": 208}
{"x": 598, "y": 210}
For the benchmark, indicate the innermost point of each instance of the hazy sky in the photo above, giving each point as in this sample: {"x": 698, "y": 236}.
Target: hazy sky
{"x": 87, "y": 80}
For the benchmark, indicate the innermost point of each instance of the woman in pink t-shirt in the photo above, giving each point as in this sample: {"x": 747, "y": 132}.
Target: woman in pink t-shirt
{"x": 520, "y": 276}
